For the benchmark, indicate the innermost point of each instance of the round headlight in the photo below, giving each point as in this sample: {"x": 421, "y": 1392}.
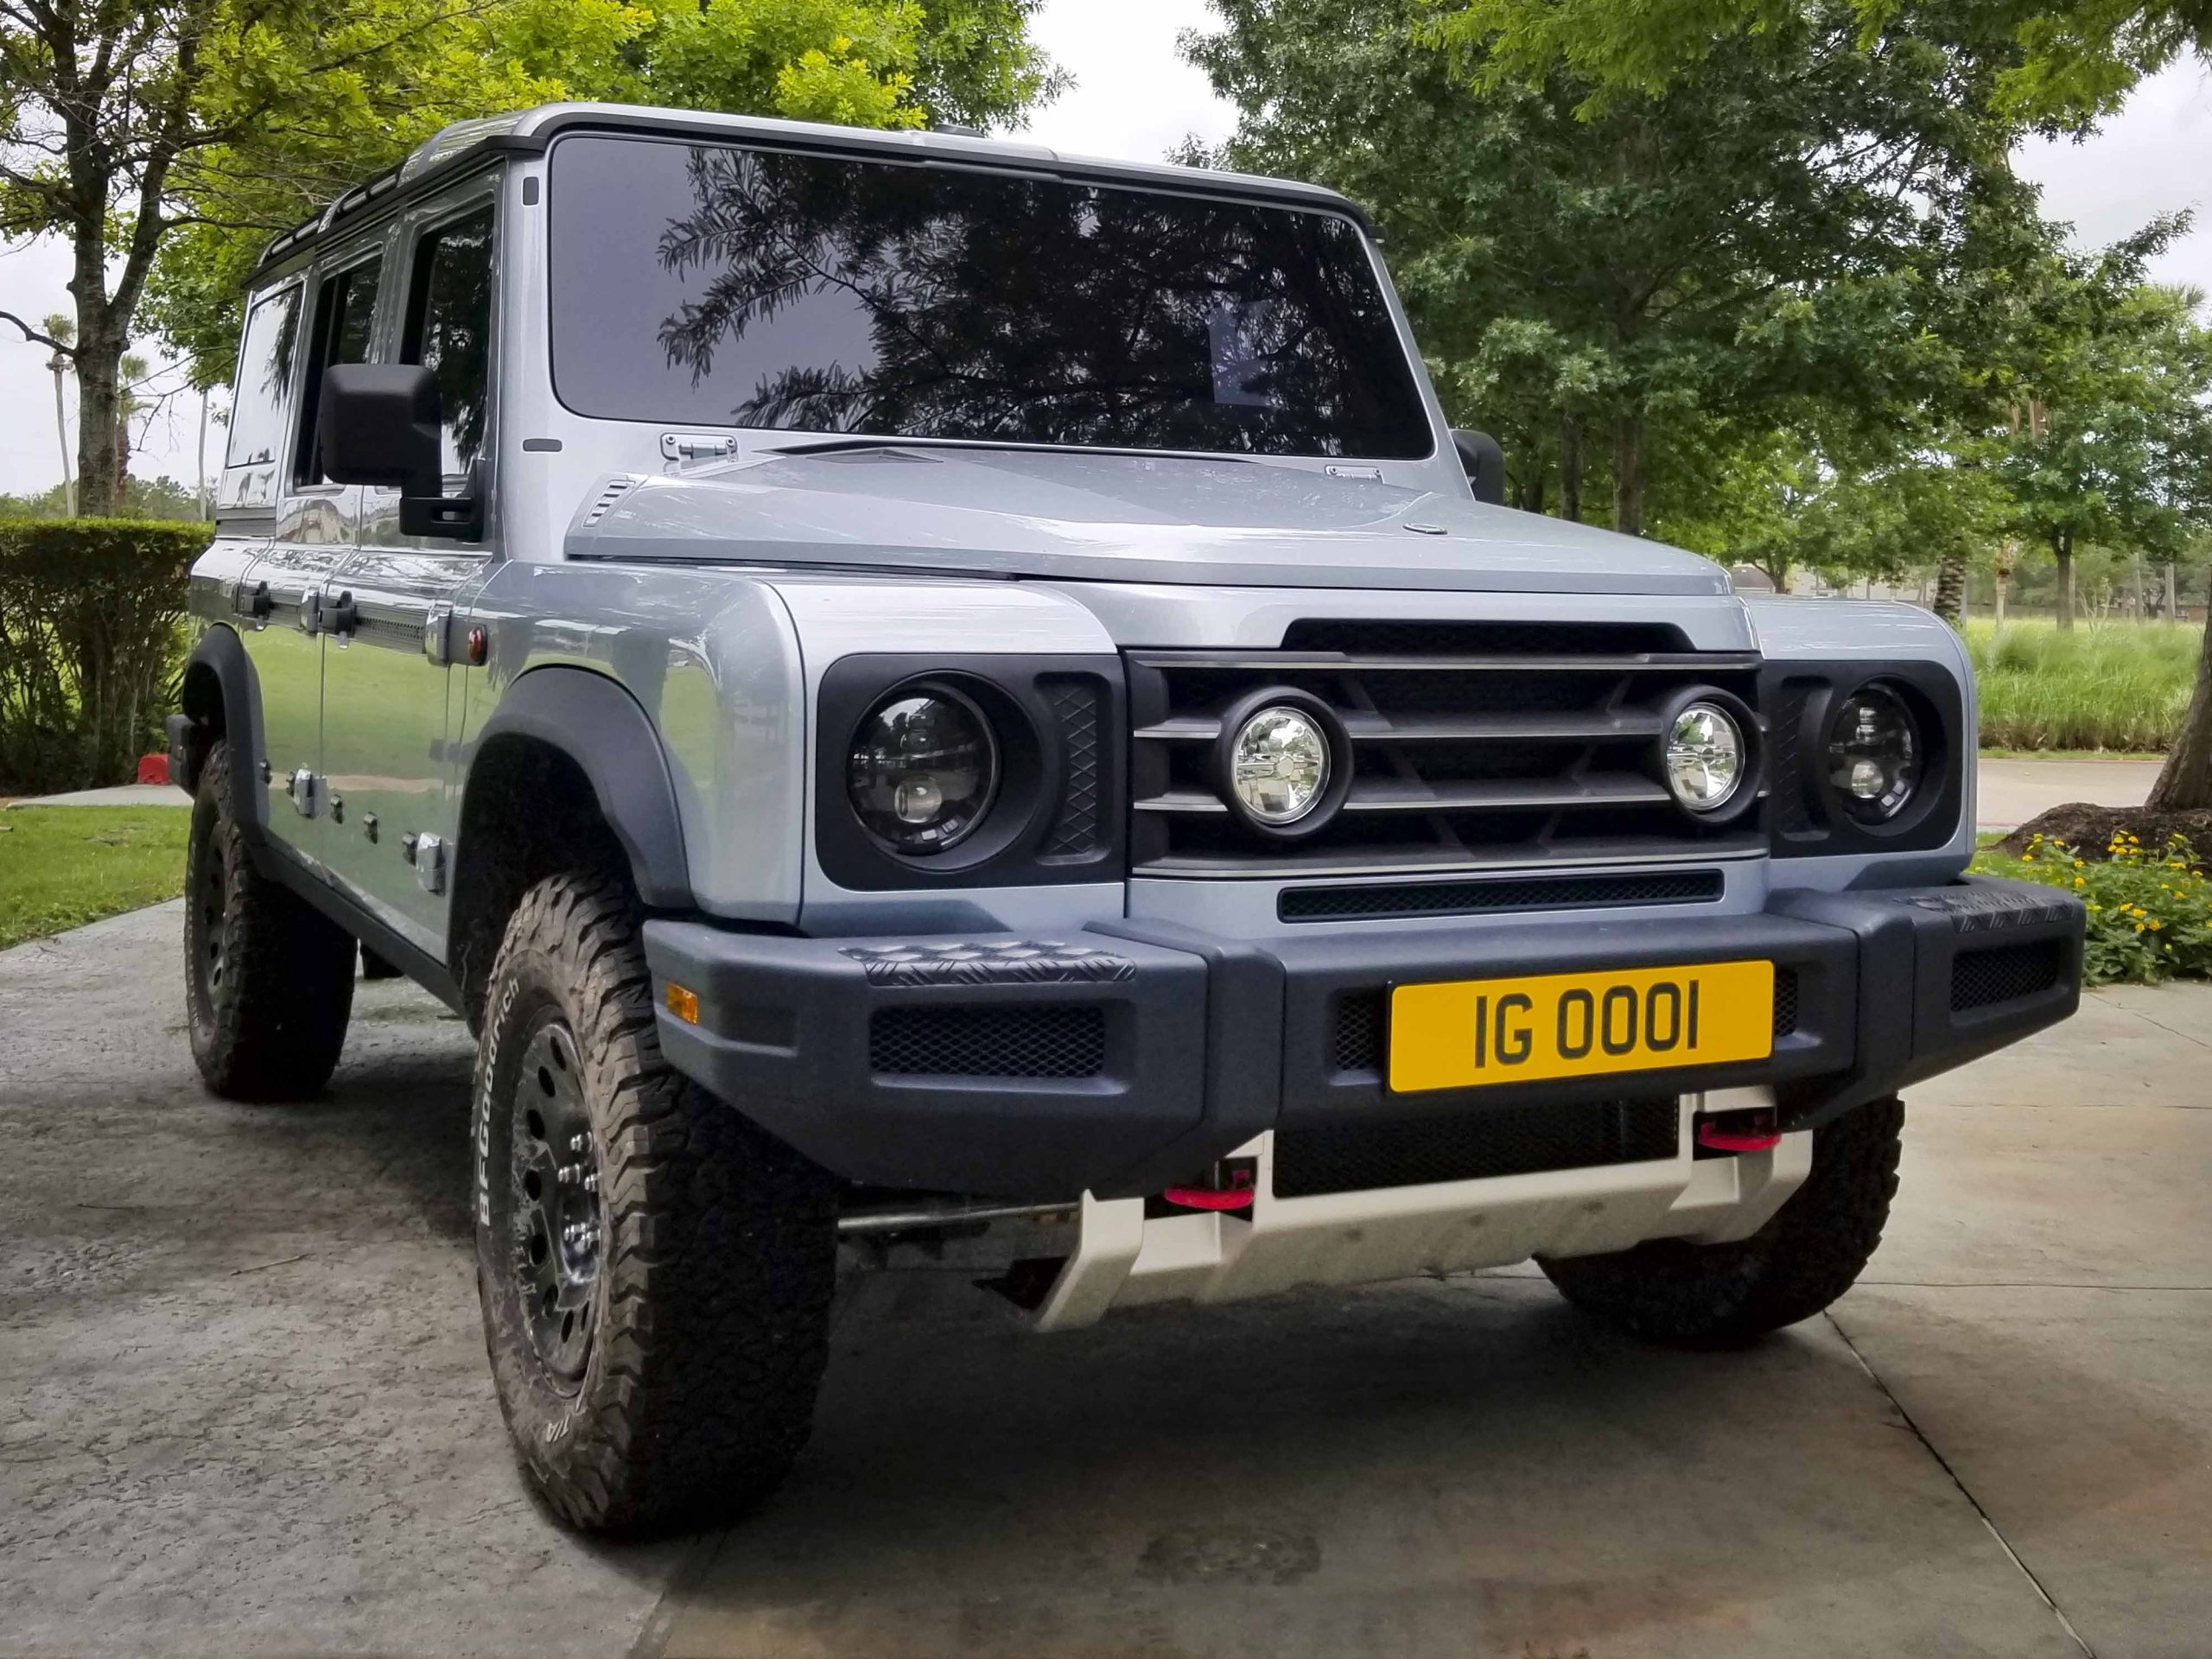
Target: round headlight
{"x": 1279, "y": 765}
{"x": 1705, "y": 756}
{"x": 923, "y": 769}
{"x": 1874, "y": 753}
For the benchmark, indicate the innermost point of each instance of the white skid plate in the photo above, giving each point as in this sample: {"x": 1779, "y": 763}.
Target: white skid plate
{"x": 1121, "y": 1259}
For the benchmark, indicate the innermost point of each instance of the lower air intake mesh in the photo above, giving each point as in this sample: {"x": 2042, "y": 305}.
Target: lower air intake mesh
{"x": 1475, "y": 1145}
{"x": 989, "y": 1042}
{"x": 1980, "y": 979}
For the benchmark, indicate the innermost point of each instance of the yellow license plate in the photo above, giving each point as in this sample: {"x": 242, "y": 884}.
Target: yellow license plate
{"x": 1473, "y": 1032}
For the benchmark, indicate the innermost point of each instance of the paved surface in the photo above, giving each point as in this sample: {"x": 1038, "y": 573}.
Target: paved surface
{"x": 242, "y": 1407}
{"x": 2010, "y": 793}
{"x": 119, "y": 794}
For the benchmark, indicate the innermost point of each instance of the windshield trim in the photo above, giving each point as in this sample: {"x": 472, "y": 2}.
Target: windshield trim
{"x": 1025, "y": 166}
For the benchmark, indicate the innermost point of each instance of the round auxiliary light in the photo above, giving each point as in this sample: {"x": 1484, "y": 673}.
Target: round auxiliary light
{"x": 1279, "y": 765}
{"x": 1874, "y": 753}
{"x": 1707, "y": 756}
{"x": 923, "y": 769}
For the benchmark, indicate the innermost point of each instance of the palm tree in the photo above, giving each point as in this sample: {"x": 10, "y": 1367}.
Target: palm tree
{"x": 60, "y": 327}
{"x": 130, "y": 373}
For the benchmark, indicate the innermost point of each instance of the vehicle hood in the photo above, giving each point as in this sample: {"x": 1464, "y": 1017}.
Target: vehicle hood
{"x": 1110, "y": 517}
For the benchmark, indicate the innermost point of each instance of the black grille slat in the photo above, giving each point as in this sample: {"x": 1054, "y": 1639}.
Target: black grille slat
{"x": 1066, "y": 1041}
{"x": 1415, "y": 638}
{"x": 1479, "y": 898}
{"x": 1785, "y": 1001}
{"x": 1472, "y": 744}
{"x": 1981, "y": 979}
{"x": 1477, "y": 1145}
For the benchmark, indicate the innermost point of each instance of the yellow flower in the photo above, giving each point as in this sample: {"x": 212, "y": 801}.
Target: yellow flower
{"x": 2156, "y": 925}
{"x": 2096, "y": 906}
{"x": 2079, "y": 865}
{"x": 2079, "y": 882}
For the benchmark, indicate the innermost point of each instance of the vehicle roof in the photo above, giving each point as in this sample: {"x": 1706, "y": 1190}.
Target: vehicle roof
{"x": 464, "y": 143}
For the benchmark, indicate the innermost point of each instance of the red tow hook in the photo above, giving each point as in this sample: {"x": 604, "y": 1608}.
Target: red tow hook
{"x": 1237, "y": 1195}
{"x": 1745, "y": 1131}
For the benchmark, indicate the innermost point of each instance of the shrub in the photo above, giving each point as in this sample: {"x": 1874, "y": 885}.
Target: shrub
{"x": 89, "y": 615}
{"x": 2113, "y": 685}
{"x": 2149, "y": 912}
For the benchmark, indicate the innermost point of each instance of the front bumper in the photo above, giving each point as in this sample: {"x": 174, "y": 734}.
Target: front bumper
{"x": 1130, "y": 1056}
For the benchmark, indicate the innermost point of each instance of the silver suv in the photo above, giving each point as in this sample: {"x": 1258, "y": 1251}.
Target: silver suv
{"x": 926, "y": 693}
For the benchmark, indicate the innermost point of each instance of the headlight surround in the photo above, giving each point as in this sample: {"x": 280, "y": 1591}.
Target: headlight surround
{"x": 922, "y": 769}
{"x": 1874, "y": 753}
{"x": 1707, "y": 755}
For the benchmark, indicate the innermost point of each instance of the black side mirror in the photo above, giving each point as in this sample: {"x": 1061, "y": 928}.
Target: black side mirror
{"x": 379, "y": 424}
{"x": 1481, "y": 454}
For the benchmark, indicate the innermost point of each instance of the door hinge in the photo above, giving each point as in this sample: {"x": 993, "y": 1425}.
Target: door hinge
{"x": 437, "y": 635}
{"x": 306, "y": 791}
{"x": 696, "y": 446}
{"x": 428, "y": 855}
{"x": 253, "y": 602}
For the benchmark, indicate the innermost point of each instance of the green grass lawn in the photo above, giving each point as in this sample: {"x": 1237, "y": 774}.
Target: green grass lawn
{"x": 2106, "y": 686}
{"x": 62, "y": 867}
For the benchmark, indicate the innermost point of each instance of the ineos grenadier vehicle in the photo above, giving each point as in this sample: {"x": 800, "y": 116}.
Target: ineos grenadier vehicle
{"x": 921, "y": 692}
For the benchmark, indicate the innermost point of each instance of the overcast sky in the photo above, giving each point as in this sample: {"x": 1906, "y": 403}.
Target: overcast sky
{"x": 1135, "y": 98}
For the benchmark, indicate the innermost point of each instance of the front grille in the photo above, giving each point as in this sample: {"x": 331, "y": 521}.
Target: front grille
{"x": 989, "y": 1042}
{"x": 1980, "y": 979}
{"x": 1490, "y": 898}
{"x": 1475, "y": 1144}
{"x": 1360, "y": 1036}
{"x": 1473, "y": 744}
{"x": 1078, "y": 827}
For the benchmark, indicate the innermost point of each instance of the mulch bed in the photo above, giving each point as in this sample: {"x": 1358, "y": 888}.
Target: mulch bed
{"x": 2089, "y": 829}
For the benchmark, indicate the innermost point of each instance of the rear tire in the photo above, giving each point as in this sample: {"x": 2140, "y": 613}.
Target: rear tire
{"x": 1686, "y": 1295}
{"x": 655, "y": 1272}
{"x": 269, "y": 979}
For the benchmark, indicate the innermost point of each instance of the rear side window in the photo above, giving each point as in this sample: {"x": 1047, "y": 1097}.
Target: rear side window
{"x": 345, "y": 312}
{"x": 449, "y": 330}
{"x": 264, "y": 376}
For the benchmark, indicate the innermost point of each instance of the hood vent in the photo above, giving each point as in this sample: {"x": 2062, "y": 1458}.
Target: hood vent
{"x": 617, "y": 487}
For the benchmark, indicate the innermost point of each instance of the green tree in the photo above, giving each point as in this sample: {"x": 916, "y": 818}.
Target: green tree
{"x": 867, "y": 63}
{"x": 2107, "y": 434}
{"x": 1769, "y": 231}
{"x": 2063, "y": 63}
{"x": 103, "y": 102}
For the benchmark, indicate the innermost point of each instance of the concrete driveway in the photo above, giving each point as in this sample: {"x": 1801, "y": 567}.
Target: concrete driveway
{"x": 243, "y": 1407}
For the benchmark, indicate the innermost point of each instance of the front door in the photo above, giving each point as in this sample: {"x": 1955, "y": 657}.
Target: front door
{"x": 386, "y": 680}
{"x": 278, "y": 602}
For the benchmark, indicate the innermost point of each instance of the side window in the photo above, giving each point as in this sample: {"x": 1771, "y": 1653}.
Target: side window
{"x": 449, "y": 329}
{"x": 264, "y": 375}
{"x": 345, "y": 309}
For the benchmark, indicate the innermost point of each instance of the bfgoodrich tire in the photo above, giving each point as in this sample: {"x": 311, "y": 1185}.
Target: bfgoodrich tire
{"x": 1688, "y": 1295}
{"x": 656, "y": 1273}
{"x": 269, "y": 979}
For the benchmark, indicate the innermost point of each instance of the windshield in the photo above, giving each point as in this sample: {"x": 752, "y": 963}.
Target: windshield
{"x": 710, "y": 284}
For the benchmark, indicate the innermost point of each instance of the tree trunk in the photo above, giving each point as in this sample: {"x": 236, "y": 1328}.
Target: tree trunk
{"x": 1951, "y": 589}
{"x": 1570, "y": 466}
{"x": 2173, "y": 599}
{"x": 1628, "y": 475}
{"x": 2062, "y": 548}
{"x": 2186, "y": 778}
{"x": 61, "y": 432}
{"x": 99, "y": 357}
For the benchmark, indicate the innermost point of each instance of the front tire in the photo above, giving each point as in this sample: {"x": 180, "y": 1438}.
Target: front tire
{"x": 655, "y": 1272}
{"x": 269, "y": 979}
{"x": 1685, "y": 1295}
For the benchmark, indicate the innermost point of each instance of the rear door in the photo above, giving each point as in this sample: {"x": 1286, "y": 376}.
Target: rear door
{"x": 386, "y": 678}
